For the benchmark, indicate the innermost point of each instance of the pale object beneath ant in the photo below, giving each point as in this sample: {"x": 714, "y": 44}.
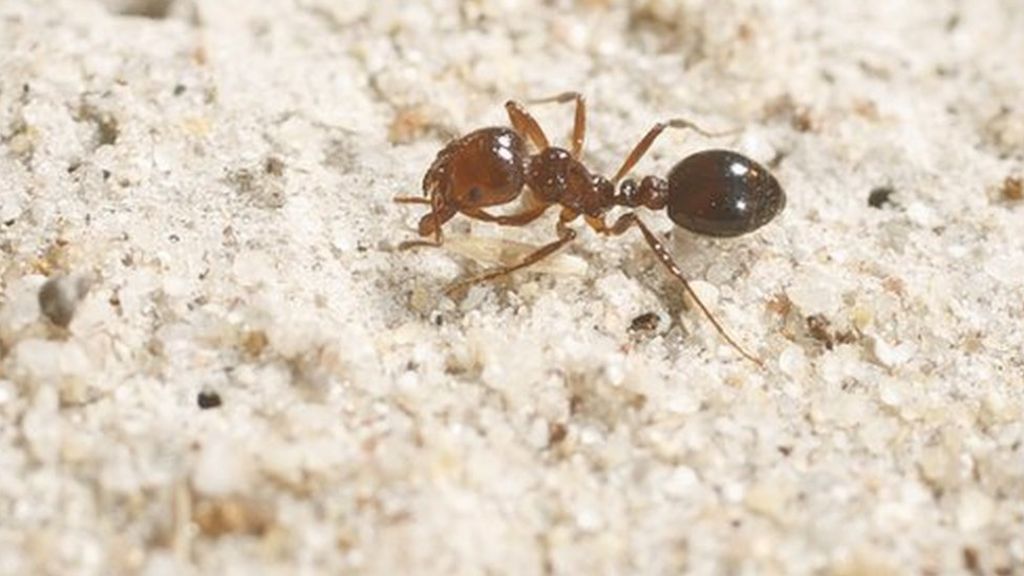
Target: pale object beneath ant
{"x": 713, "y": 192}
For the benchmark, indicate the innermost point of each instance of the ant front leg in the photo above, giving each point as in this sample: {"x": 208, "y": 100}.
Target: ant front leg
{"x": 409, "y": 244}
{"x": 433, "y": 223}
{"x": 645, "y": 143}
{"x": 627, "y": 221}
{"x": 430, "y": 224}
{"x": 579, "y": 125}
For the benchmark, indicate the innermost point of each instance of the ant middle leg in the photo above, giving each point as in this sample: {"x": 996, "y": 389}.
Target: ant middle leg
{"x": 565, "y": 236}
{"x": 627, "y": 221}
{"x": 579, "y": 125}
{"x": 645, "y": 143}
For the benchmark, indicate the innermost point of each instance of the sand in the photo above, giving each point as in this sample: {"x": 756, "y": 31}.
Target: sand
{"x": 214, "y": 359}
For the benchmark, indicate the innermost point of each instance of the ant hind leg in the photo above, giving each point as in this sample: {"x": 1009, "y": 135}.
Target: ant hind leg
{"x": 627, "y": 221}
{"x": 645, "y": 143}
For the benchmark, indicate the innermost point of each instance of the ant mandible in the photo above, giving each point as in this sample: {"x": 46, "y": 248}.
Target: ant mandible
{"x": 714, "y": 192}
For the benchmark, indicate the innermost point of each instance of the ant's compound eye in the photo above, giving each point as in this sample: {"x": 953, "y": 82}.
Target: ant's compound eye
{"x": 475, "y": 194}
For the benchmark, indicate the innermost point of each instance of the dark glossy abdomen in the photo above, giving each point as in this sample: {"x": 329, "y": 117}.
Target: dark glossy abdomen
{"x": 722, "y": 193}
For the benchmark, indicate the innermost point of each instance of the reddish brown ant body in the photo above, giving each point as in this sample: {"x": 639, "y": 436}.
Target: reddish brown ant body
{"x": 714, "y": 192}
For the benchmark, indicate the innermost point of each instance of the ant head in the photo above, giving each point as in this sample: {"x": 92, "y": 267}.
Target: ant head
{"x": 483, "y": 168}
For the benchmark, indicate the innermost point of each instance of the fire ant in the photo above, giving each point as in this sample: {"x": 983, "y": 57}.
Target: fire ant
{"x": 715, "y": 192}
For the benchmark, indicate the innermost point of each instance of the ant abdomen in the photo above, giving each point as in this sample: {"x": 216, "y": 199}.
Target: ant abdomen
{"x": 722, "y": 193}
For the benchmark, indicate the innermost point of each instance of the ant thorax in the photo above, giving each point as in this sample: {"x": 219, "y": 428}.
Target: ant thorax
{"x": 555, "y": 177}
